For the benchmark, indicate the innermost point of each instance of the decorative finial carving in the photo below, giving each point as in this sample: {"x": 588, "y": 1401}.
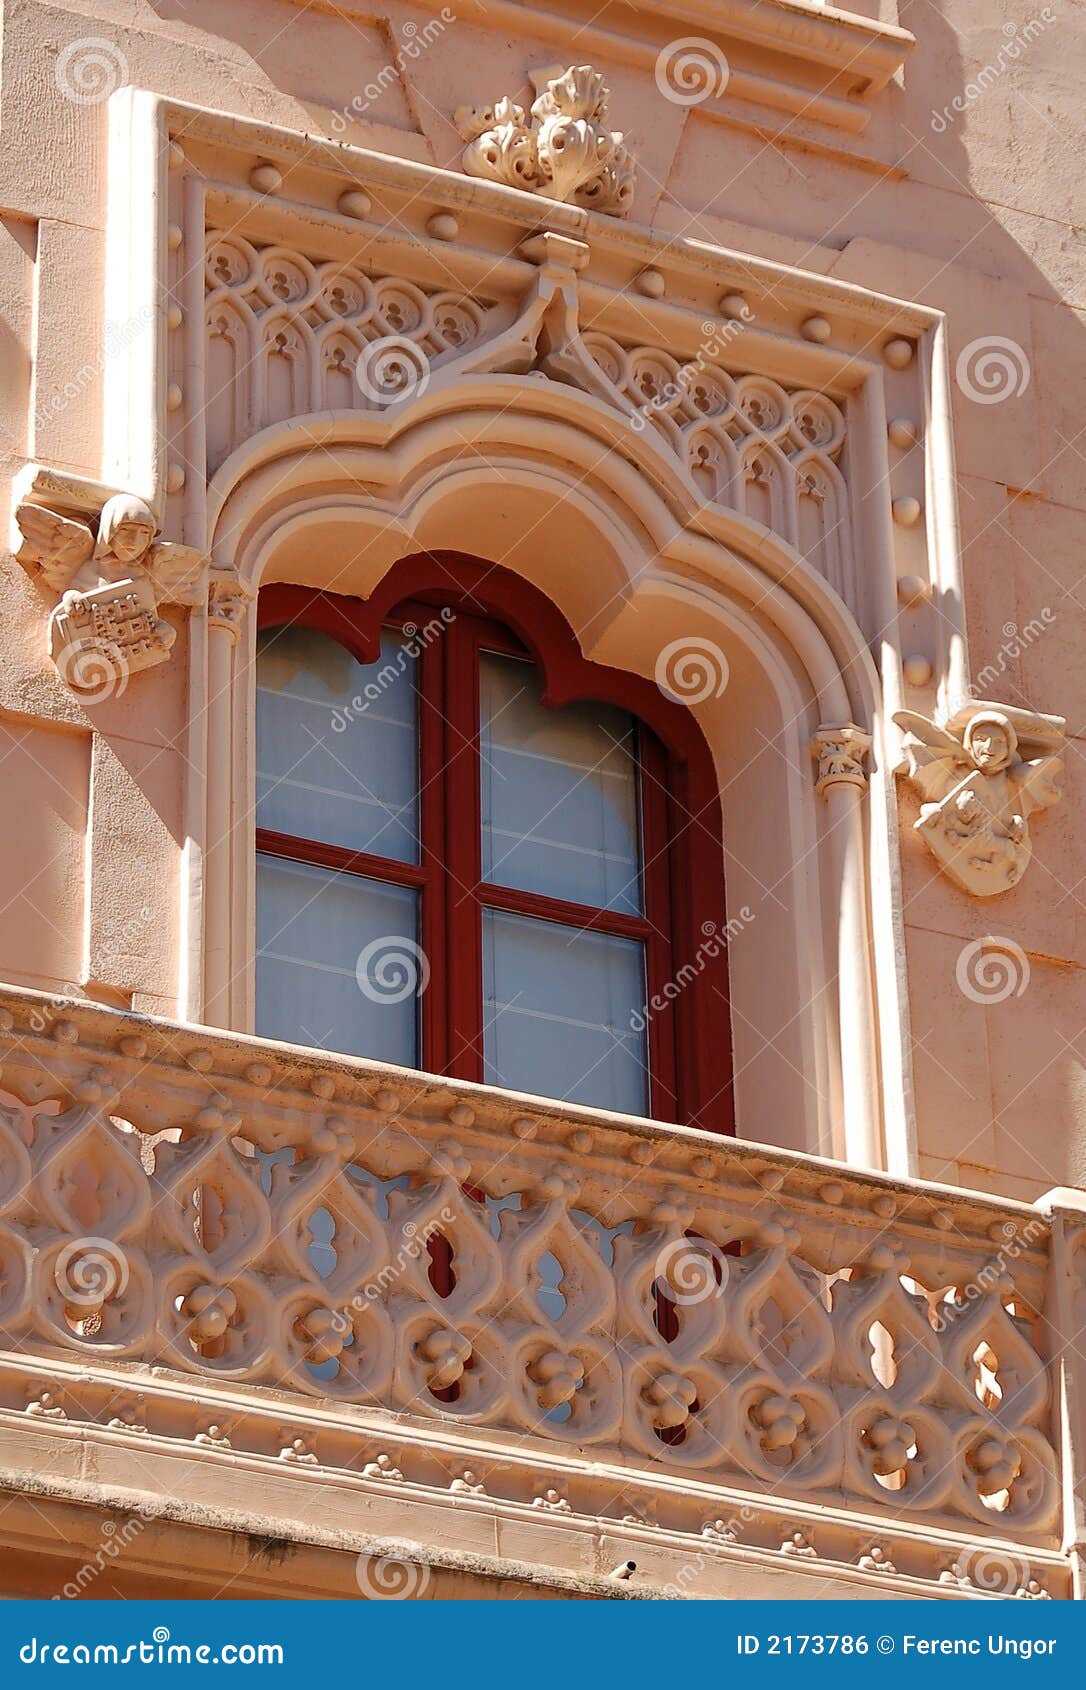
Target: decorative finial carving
{"x": 467, "y": 1484}
{"x": 552, "y": 1501}
{"x": 562, "y": 149}
{"x": 45, "y": 1406}
{"x": 876, "y": 1560}
{"x": 297, "y": 1452}
{"x": 383, "y": 1468}
{"x": 214, "y": 1436}
{"x": 841, "y": 749}
{"x": 107, "y": 625}
{"x": 980, "y": 779}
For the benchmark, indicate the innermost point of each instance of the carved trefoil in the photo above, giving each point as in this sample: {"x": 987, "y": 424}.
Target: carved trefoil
{"x": 561, "y": 149}
{"x": 980, "y": 779}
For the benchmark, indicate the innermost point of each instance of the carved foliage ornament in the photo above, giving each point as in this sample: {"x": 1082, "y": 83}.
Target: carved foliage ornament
{"x": 980, "y": 779}
{"x": 562, "y": 149}
{"x": 841, "y": 750}
{"x": 107, "y": 625}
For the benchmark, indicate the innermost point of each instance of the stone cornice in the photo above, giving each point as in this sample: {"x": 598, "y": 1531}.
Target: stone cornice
{"x": 378, "y": 1516}
{"x": 426, "y": 186}
{"x": 817, "y": 63}
{"x": 866, "y": 48}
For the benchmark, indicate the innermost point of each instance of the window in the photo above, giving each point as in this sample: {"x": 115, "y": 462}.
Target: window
{"x": 481, "y": 854}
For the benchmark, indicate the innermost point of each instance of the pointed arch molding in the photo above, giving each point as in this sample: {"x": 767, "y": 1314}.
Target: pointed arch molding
{"x": 354, "y": 357}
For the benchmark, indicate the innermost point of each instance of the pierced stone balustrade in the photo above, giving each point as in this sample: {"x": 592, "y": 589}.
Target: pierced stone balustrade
{"x": 705, "y": 1350}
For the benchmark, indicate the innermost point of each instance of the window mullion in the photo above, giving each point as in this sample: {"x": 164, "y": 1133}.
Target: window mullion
{"x": 463, "y": 960}
{"x": 433, "y": 915}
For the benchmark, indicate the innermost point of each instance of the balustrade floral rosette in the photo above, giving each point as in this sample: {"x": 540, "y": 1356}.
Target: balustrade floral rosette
{"x": 235, "y": 1211}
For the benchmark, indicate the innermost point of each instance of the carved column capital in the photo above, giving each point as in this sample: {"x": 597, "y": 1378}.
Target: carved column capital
{"x": 227, "y": 601}
{"x": 841, "y": 749}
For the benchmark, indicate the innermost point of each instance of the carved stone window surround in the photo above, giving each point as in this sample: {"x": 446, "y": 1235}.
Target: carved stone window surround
{"x": 179, "y": 170}
{"x": 847, "y": 367}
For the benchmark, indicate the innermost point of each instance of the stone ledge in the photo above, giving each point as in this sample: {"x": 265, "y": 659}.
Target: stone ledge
{"x": 770, "y": 1546}
{"x": 279, "y": 1558}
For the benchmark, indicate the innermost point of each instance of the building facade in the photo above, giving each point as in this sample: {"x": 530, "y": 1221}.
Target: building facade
{"x": 540, "y": 974}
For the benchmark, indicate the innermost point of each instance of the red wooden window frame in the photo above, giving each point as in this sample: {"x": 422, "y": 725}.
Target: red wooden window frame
{"x": 689, "y": 1040}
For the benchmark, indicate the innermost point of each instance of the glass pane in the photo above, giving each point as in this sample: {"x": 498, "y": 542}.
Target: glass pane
{"x": 559, "y": 788}
{"x": 336, "y": 743}
{"x": 559, "y": 1006}
{"x": 338, "y": 963}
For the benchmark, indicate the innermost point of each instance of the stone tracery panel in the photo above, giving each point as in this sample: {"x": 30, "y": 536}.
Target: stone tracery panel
{"x": 287, "y": 336}
{"x": 748, "y": 443}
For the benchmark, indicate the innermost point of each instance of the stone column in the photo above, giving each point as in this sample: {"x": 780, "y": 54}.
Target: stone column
{"x": 227, "y": 602}
{"x": 841, "y": 750}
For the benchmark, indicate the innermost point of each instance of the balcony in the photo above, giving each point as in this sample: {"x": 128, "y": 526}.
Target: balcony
{"x": 256, "y": 1295}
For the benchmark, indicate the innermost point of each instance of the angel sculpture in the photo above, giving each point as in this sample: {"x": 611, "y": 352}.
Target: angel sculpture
{"x": 978, "y": 792}
{"x": 107, "y": 625}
